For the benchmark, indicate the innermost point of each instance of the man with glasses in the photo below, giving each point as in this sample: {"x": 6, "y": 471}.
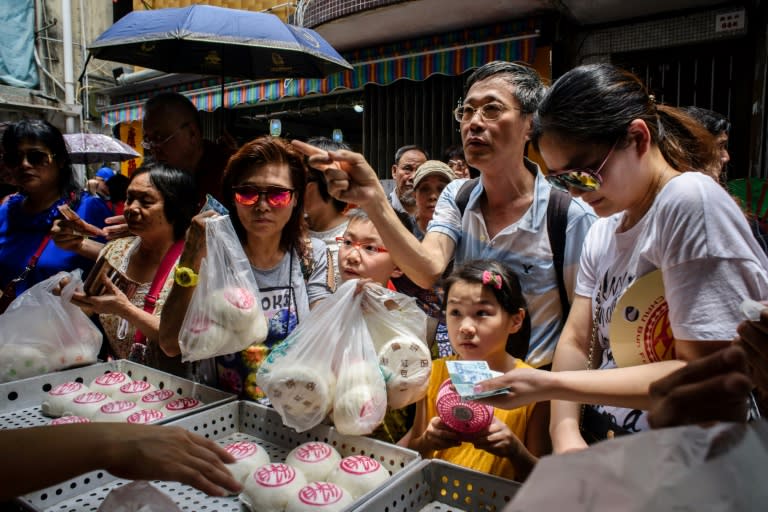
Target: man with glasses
{"x": 173, "y": 136}
{"x": 407, "y": 160}
{"x": 505, "y": 215}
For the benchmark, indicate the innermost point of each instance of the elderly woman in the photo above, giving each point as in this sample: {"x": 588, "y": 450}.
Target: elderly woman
{"x": 158, "y": 212}
{"x": 263, "y": 186}
{"x": 40, "y": 165}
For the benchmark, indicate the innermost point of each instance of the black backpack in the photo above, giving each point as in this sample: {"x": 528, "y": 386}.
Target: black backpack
{"x": 557, "y": 221}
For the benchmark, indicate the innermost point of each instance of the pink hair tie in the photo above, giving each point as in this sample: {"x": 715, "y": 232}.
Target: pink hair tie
{"x": 492, "y": 279}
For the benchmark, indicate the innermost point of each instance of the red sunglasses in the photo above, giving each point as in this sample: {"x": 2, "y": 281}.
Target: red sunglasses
{"x": 276, "y": 197}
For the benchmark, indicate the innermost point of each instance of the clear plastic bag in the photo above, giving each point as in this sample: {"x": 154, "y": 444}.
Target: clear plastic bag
{"x": 398, "y": 329}
{"x": 224, "y": 315}
{"x": 43, "y": 332}
{"x": 327, "y": 362}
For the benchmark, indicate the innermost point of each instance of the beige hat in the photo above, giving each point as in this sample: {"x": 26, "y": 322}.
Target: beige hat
{"x": 431, "y": 167}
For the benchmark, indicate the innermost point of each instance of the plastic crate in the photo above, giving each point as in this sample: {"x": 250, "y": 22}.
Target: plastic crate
{"x": 436, "y": 485}
{"x": 235, "y": 421}
{"x": 20, "y": 399}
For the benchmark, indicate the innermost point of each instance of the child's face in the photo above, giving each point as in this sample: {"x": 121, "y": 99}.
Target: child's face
{"x": 478, "y": 326}
{"x": 363, "y": 258}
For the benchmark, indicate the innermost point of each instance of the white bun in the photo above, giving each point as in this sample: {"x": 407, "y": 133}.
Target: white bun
{"x": 271, "y": 486}
{"x": 144, "y": 416}
{"x": 406, "y": 364}
{"x": 109, "y": 383}
{"x": 181, "y": 405}
{"x": 249, "y": 456}
{"x": 359, "y": 474}
{"x": 58, "y": 398}
{"x": 315, "y": 459}
{"x": 234, "y": 307}
{"x": 133, "y": 390}
{"x": 302, "y": 395}
{"x": 86, "y": 404}
{"x": 156, "y": 399}
{"x": 117, "y": 411}
{"x": 358, "y": 411}
{"x": 323, "y": 496}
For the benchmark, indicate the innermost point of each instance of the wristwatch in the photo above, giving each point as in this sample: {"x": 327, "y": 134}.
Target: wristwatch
{"x": 185, "y": 276}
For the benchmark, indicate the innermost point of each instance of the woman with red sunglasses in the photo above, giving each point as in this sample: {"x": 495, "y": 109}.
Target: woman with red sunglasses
{"x": 263, "y": 187}
{"x": 607, "y": 141}
{"x": 37, "y": 156}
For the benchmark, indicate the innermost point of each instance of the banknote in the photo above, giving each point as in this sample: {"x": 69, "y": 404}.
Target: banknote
{"x": 465, "y": 374}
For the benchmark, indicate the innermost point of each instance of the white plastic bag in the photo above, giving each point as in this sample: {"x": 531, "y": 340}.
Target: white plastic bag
{"x": 398, "y": 328}
{"x": 42, "y": 332}
{"x": 327, "y": 362}
{"x": 224, "y": 315}
{"x": 138, "y": 496}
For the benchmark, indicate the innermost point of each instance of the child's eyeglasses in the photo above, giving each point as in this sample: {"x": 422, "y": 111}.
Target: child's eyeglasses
{"x": 347, "y": 244}
{"x": 584, "y": 178}
{"x": 35, "y": 158}
{"x": 276, "y": 197}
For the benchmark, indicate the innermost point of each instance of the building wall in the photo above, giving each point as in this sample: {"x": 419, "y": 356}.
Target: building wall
{"x": 282, "y": 8}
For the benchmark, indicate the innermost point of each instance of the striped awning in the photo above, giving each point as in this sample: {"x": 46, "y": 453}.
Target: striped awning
{"x": 447, "y": 54}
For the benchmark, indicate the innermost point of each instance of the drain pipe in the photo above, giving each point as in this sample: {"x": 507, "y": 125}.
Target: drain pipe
{"x": 70, "y": 108}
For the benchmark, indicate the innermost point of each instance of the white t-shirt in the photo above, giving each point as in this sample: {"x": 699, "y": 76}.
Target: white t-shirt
{"x": 697, "y": 235}
{"x": 329, "y": 237}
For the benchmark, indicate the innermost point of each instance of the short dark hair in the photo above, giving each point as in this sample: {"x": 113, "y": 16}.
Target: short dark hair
{"x": 51, "y": 137}
{"x": 528, "y": 88}
{"x": 175, "y": 102}
{"x": 453, "y": 152}
{"x": 177, "y": 188}
{"x": 316, "y": 176}
{"x": 713, "y": 121}
{"x": 411, "y": 147}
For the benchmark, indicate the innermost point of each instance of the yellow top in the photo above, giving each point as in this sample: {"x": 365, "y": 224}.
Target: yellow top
{"x": 466, "y": 454}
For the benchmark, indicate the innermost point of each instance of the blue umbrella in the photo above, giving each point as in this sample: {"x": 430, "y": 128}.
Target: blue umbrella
{"x": 211, "y": 40}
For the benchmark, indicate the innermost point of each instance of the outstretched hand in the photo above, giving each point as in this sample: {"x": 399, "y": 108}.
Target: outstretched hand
{"x": 351, "y": 180}
{"x": 525, "y": 385}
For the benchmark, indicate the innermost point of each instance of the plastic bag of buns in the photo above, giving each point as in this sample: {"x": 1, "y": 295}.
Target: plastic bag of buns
{"x": 398, "y": 329}
{"x": 224, "y": 315}
{"x": 43, "y": 332}
{"x": 327, "y": 362}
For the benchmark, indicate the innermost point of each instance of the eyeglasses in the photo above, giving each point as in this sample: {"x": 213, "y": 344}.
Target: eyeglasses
{"x": 276, "y": 197}
{"x": 488, "y": 112}
{"x": 584, "y": 179}
{"x": 34, "y": 157}
{"x": 461, "y": 164}
{"x": 347, "y": 244}
{"x": 151, "y": 144}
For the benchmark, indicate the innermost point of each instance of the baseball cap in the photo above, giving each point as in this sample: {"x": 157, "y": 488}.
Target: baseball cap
{"x": 105, "y": 173}
{"x": 433, "y": 167}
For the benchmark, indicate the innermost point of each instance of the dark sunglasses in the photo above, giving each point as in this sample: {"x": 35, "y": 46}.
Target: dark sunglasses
{"x": 580, "y": 178}
{"x": 35, "y": 158}
{"x": 276, "y": 197}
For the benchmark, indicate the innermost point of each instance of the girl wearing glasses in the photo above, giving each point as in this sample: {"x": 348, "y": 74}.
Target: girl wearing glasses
{"x": 37, "y": 156}
{"x": 263, "y": 186}
{"x": 607, "y": 141}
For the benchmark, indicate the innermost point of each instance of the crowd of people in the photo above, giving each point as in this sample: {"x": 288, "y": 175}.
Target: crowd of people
{"x": 514, "y": 265}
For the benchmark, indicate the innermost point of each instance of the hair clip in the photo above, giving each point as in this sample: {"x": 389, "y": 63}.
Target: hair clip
{"x": 492, "y": 279}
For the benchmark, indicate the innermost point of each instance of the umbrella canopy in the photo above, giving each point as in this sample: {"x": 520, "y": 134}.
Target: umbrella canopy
{"x": 88, "y": 148}
{"x": 211, "y": 40}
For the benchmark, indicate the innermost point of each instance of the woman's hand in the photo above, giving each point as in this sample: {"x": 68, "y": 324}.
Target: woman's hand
{"x": 194, "y": 246}
{"x": 349, "y": 176}
{"x": 525, "y": 386}
{"x": 116, "y": 227}
{"x": 111, "y": 302}
{"x": 66, "y": 235}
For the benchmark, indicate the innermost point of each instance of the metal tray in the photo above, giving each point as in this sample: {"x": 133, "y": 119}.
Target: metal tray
{"x": 436, "y": 485}
{"x": 20, "y": 400}
{"x": 235, "y": 421}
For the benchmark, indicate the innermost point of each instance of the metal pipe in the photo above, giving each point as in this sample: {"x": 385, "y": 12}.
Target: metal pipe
{"x": 69, "y": 68}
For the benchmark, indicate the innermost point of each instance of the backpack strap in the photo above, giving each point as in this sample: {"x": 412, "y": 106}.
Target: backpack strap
{"x": 557, "y": 222}
{"x": 462, "y": 197}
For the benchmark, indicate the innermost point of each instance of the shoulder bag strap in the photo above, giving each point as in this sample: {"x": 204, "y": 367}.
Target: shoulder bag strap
{"x": 150, "y": 299}
{"x": 557, "y": 222}
{"x": 31, "y": 264}
{"x": 462, "y": 197}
